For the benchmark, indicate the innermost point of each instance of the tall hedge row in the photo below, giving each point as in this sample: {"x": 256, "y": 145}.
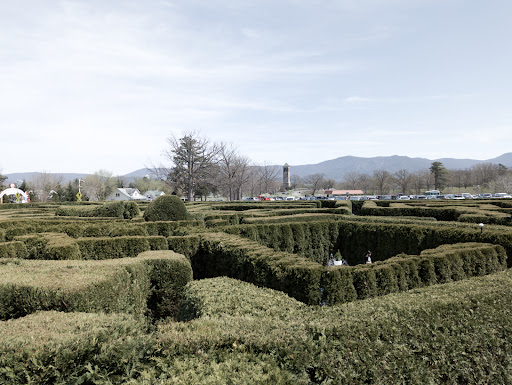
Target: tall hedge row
{"x": 50, "y": 246}
{"x": 385, "y": 239}
{"x": 14, "y": 249}
{"x": 154, "y": 281}
{"x": 458, "y": 333}
{"x": 72, "y": 348}
{"x": 444, "y": 212}
{"x": 119, "y": 247}
{"x": 119, "y": 209}
{"x": 312, "y": 283}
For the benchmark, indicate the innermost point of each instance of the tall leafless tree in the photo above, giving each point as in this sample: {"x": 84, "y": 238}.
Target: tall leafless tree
{"x": 382, "y": 180}
{"x": 314, "y": 182}
{"x": 234, "y": 171}
{"x": 193, "y": 159}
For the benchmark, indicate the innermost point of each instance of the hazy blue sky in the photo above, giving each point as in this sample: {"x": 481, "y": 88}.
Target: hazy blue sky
{"x": 89, "y": 85}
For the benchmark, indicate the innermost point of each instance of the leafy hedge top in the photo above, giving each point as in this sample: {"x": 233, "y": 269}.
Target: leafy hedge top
{"x": 166, "y": 208}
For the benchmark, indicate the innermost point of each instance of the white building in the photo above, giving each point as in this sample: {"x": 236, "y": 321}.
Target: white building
{"x": 126, "y": 194}
{"x": 153, "y": 194}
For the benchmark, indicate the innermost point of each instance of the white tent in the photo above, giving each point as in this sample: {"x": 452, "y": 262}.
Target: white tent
{"x": 13, "y": 191}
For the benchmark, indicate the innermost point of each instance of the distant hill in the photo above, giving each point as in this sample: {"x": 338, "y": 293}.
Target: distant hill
{"x": 337, "y": 168}
{"x": 332, "y": 169}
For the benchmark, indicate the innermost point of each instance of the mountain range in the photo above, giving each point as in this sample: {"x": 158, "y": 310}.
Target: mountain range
{"x": 332, "y": 169}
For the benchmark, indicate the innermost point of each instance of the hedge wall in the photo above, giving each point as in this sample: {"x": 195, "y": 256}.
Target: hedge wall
{"x": 119, "y": 209}
{"x": 444, "y": 264}
{"x": 187, "y": 245}
{"x": 72, "y": 348}
{"x": 73, "y": 227}
{"x": 223, "y": 254}
{"x": 458, "y": 333}
{"x": 354, "y": 236}
{"x": 441, "y": 211}
{"x": 119, "y": 247}
{"x": 153, "y": 280}
{"x": 312, "y": 283}
{"x": 50, "y": 246}
{"x": 14, "y": 249}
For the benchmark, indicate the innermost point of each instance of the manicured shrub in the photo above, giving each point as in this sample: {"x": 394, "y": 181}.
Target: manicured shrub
{"x": 169, "y": 228}
{"x": 110, "y": 248}
{"x": 166, "y": 208}
{"x": 452, "y": 333}
{"x": 131, "y": 210}
{"x": 50, "y": 246}
{"x": 154, "y": 279}
{"x": 73, "y": 348}
{"x": 187, "y": 245}
{"x": 14, "y": 249}
{"x": 170, "y": 272}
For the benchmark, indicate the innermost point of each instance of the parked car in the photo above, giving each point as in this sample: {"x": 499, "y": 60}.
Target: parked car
{"x": 502, "y": 195}
{"x": 404, "y": 198}
{"x": 485, "y": 196}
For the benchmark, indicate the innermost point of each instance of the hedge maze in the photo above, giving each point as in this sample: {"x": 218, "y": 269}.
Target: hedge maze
{"x": 242, "y": 293}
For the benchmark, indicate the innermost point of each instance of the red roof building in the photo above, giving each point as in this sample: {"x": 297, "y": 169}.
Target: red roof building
{"x": 343, "y": 192}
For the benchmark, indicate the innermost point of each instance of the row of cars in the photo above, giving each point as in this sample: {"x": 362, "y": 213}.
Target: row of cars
{"x": 401, "y": 197}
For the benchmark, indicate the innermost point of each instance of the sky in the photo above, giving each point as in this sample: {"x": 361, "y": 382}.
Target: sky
{"x": 100, "y": 85}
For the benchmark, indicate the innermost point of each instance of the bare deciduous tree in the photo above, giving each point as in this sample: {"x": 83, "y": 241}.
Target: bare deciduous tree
{"x": 193, "y": 158}
{"x": 314, "y": 182}
{"x": 234, "y": 171}
{"x": 98, "y": 185}
{"x": 402, "y": 179}
{"x": 268, "y": 178}
{"x": 43, "y": 184}
{"x": 382, "y": 180}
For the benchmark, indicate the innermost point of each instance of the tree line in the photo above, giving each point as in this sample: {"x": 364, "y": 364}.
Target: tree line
{"x": 196, "y": 167}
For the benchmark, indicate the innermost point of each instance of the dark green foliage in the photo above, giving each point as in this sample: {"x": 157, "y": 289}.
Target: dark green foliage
{"x": 110, "y": 248}
{"x": 50, "y": 246}
{"x": 14, "y": 249}
{"x": 187, "y": 245}
{"x": 119, "y": 209}
{"x": 458, "y": 333}
{"x": 154, "y": 279}
{"x": 166, "y": 208}
{"x": 169, "y": 228}
{"x": 131, "y": 210}
{"x": 169, "y": 276}
{"x": 72, "y": 348}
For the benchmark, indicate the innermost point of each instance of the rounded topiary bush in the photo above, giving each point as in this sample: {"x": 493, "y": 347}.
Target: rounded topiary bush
{"x": 166, "y": 208}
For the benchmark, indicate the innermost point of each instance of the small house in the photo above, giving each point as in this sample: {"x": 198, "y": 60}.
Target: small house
{"x": 126, "y": 194}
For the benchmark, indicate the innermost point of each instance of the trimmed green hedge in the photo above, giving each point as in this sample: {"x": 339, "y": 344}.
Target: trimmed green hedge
{"x": 166, "y": 208}
{"x": 153, "y": 280}
{"x": 444, "y": 264}
{"x": 354, "y": 236}
{"x": 119, "y": 209}
{"x": 118, "y": 247}
{"x": 14, "y": 249}
{"x": 50, "y": 246}
{"x": 169, "y": 228}
{"x": 170, "y": 272}
{"x": 442, "y": 211}
{"x": 72, "y": 348}
{"x": 458, "y": 333}
{"x": 223, "y": 254}
{"x": 312, "y": 283}
{"x": 187, "y": 245}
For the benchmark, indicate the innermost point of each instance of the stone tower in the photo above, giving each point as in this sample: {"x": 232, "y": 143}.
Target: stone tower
{"x": 286, "y": 176}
